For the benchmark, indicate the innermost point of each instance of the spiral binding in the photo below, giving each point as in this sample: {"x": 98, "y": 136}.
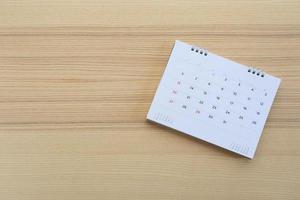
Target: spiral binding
{"x": 251, "y": 70}
{"x": 200, "y": 50}
{"x": 256, "y": 71}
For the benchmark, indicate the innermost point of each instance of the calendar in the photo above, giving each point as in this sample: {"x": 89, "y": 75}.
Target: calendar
{"x": 214, "y": 99}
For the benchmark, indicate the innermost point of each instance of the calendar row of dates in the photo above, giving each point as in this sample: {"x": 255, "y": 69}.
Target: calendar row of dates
{"x": 195, "y": 95}
{"x": 221, "y": 83}
{"x": 225, "y": 118}
{"x": 215, "y": 103}
{"x": 232, "y": 97}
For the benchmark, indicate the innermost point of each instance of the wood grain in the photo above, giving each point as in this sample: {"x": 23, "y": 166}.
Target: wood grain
{"x": 77, "y": 79}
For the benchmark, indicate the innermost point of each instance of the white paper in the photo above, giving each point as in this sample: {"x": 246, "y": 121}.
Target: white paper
{"x": 213, "y": 99}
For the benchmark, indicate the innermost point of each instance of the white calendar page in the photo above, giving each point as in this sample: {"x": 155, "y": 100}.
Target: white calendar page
{"x": 214, "y": 99}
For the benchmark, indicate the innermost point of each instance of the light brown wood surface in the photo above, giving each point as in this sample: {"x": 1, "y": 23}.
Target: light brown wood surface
{"x": 77, "y": 79}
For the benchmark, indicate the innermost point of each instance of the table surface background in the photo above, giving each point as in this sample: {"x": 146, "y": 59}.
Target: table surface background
{"x": 77, "y": 79}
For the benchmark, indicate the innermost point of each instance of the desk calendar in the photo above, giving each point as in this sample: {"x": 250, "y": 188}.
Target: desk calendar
{"x": 214, "y": 99}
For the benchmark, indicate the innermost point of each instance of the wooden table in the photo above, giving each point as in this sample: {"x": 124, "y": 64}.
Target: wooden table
{"x": 77, "y": 79}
